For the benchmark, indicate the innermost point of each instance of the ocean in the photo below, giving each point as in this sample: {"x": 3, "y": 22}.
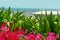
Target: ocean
{"x": 27, "y": 11}
{"x": 31, "y": 11}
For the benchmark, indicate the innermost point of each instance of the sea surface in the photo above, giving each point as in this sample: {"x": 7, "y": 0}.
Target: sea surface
{"x": 27, "y": 11}
{"x": 31, "y": 11}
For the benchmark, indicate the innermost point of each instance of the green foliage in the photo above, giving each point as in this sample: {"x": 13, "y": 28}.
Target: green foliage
{"x": 38, "y": 24}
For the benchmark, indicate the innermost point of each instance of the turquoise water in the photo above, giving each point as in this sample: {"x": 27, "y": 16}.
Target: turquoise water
{"x": 26, "y": 9}
{"x": 30, "y": 11}
{"x": 33, "y": 9}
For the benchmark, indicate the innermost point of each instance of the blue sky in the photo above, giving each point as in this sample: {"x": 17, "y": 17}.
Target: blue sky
{"x": 55, "y": 4}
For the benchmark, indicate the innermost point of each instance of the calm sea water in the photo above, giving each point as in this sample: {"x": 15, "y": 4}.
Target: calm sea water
{"x": 33, "y": 9}
{"x": 27, "y": 11}
{"x": 30, "y": 11}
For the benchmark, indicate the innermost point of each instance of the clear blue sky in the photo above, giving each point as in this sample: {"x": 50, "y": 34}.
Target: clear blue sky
{"x": 30, "y": 3}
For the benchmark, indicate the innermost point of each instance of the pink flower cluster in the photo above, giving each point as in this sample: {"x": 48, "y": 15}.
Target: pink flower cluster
{"x": 19, "y": 34}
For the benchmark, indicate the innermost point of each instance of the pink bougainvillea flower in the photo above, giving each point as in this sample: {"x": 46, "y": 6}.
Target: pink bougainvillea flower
{"x": 2, "y": 38}
{"x": 18, "y": 33}
{"x": 30, "y": 37}
{"x": 51, "y": 37}
{"x": 21, "y": 32}
{"x": 26, "y": 37}
{"x": 51, "y": 33}
{"x": 12, "y": 35}
{"x": 3, "y": 27}
{"x": 57, "y": 36}
{"x": 39, "y": 37}
{"x": 3, "y": 35}
{"x": 4, "y": 24}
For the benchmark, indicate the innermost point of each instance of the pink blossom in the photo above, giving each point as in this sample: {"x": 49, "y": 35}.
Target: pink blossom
{"x": 12, "y": 36}
{"x": 30, "y": 37}
{"x": 52, "y": 33}
{"x": 21, "y": 32}
{"x": 26, "y": 37}
{"x": 50, "y": 37}
{"x": 39, "y": 36}
{"x": 2, "y": 38}
{"x": 3, "y": 27}
{"x": 4, "y": 24}
{"x": 57, "y": 36}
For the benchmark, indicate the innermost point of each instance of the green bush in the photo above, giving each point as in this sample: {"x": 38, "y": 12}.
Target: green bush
{"x": 39, "y": 24}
